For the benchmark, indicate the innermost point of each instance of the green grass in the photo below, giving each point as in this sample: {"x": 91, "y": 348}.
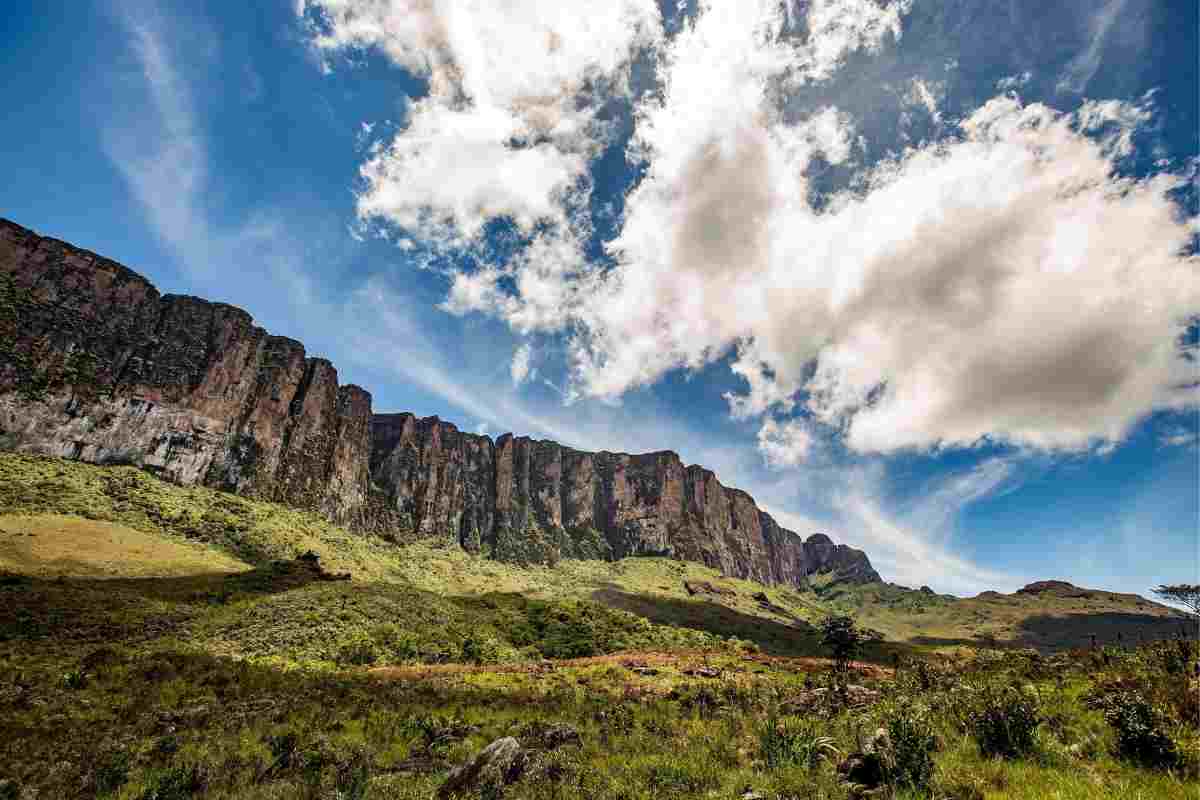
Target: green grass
{"x": 188, "y": 530}
{"x": 161, "y": 642}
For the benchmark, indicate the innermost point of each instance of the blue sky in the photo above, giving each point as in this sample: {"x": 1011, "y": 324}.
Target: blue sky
{"x": 918, "y": 275}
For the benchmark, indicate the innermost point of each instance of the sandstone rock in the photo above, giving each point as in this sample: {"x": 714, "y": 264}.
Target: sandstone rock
{"x": 96, "y": 365}
{"x": 702, "y": 672}
{"x": 866, "y": 770}
{"x": 704, "y": 587}
{"x": 499, "y": 764}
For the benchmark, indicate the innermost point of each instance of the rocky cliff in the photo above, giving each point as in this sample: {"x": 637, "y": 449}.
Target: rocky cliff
{"x": 96, "y": 365}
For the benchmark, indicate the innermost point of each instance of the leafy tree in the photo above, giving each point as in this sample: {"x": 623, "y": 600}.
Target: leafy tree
{"x": 1185, "y": 594}
{"x": 843, "y": 638}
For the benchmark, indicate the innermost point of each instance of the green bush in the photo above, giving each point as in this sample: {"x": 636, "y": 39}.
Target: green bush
{"x": 792, "y": 740}
{"x": 358, "y": 650}
{"x": 1005, "y": 722}
{"x": 913, "y": 745}
{"x": 111, "y": 772}
{"x": 1141, "y": 731}
{"x": 480, "y": 649}
{"x": 74, "y": 679}
{"x": 176, "y": 783}
{"x": 672, "y": 779}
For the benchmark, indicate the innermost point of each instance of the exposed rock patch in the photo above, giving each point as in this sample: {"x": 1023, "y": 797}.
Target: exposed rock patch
{"x": 704, "y": 587}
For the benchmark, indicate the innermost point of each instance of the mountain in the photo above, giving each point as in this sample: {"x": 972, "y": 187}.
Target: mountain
{"x": 96, "y": 365}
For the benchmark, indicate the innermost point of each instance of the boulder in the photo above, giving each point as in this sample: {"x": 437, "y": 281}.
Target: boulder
{"x": 866, "y": 769}
{"x": 704, "y": 587}
{"x": 498, "y": 765}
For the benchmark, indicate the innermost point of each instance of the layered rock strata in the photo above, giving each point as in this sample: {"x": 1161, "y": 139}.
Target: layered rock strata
{"x": 96, "y": 365}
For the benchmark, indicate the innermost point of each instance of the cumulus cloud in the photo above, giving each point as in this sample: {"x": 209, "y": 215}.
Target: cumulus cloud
{"x": 511, "y": 119}
{"x": 1006, "y": 282}
{"x": 784, "y": 444}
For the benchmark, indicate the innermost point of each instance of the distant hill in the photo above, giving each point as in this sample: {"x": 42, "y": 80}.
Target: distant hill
{"x": 112, "y": 552}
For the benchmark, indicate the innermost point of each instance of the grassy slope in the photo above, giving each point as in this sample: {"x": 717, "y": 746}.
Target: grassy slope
{"x": 118, "y": 686}
{"x": 93, "y": 521}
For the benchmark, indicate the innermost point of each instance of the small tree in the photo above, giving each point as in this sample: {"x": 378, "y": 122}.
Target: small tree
{"x": 1184, "y": 594}
{"x": 843, "y": 638}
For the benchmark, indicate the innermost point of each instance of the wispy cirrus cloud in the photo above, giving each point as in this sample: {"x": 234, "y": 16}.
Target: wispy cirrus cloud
{"x": 157, "y": 141}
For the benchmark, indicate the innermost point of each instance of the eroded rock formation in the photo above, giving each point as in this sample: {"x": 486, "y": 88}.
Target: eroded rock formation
{"x": 96, "y": 365}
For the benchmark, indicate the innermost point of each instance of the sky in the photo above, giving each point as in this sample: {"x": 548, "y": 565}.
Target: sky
{"x": 919, "y": 275}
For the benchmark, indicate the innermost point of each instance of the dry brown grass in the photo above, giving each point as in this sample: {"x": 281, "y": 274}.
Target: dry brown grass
{"x": 55, "y": 544}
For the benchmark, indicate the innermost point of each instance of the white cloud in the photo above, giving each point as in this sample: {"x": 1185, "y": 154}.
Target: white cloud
{"x": 1003, "y": 283}
{"x": 927, "y": 95}
{"x": 1011, "y": 83}
{"x": 907, "y": 556}
{"x": 155, "y": 139}
{"x": 160, "y": 153}
{"x": 520, "y": 369}
{"x": 838, "y": 27}
{"x": 939, "y": 505}
{"x": 1179, "y": 436}
{"x": 510, "y": 121}
{"x": 784, "y": 444}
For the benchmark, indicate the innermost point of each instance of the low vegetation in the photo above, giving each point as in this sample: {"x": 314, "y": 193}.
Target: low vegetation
{"x": 159, "y": 642}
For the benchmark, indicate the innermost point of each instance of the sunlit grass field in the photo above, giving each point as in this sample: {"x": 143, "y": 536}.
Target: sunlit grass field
{"x": 162, "y": 642}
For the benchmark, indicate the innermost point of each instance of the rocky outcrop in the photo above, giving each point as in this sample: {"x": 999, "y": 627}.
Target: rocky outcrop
{"x": 523, "y": 500}
{"x": 1059, "y": 588}
{"x": 96, "y": 365}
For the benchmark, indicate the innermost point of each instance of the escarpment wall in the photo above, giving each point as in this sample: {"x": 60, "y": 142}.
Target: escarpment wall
{"x": 96, "y": 365}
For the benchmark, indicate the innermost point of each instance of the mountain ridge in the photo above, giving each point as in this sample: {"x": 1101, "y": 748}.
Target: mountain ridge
{"x": 96, "y": 365}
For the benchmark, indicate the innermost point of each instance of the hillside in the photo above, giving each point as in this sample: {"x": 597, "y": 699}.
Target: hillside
{"x": 161, "y": 641}
{"x": 125, "y": 537}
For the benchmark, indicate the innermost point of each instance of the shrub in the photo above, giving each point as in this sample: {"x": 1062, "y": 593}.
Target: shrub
{"x": 74, "y": 679}
{"x": 397, "y": 644}
{"x": 353, "y": 776}
{"x": 1004, "y": 723}
{"x": 1140, "y": 728}
{"x": 436, "y": 731}
{"x": 111, "y": 772}
{"x": 176, "y": 783}
{"x": 792, "y": 740}
{"x": 843, "y": 638}
{"x": 480, "y": 649}
{"x": 357, "y": 650}
{"x": 913, "y": 745}
{"x": 671, "y": 779}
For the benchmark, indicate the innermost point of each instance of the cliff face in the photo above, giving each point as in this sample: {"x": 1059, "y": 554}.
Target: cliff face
{"x": 96, "y": 365}
{"x": 524, "y": 500}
